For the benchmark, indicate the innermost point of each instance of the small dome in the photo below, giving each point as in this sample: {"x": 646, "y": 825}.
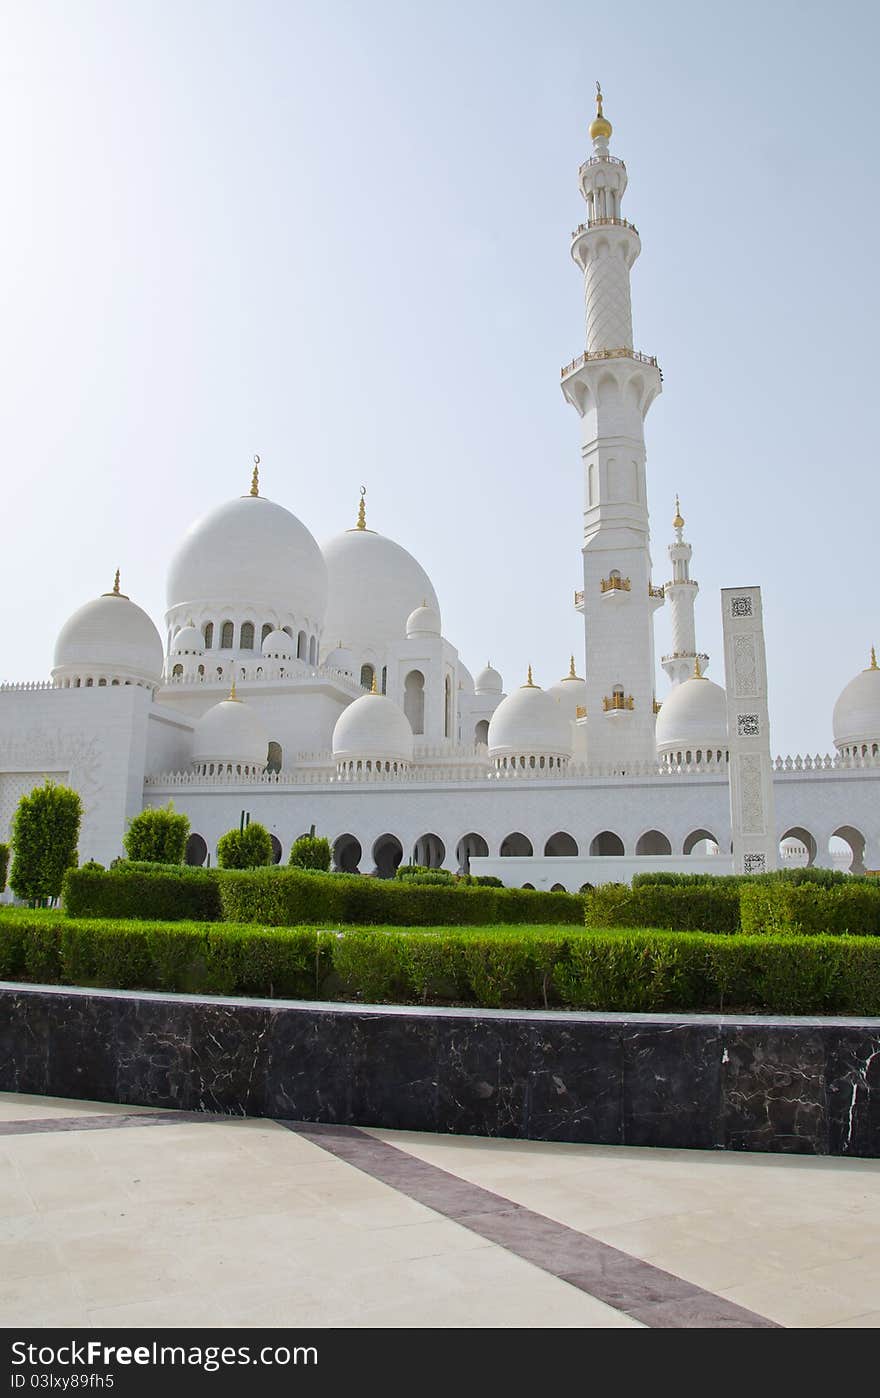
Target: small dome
{"x": 529, "y": 723}
{"x": 488, "y": 681}
{"x": 342, "y": 659}
{"x": 109, "y": 638}
{"x": 188, "y": 641}
{"x": 693, "y": 717}
{"x": 372, "y": 728}
{"x": 278, "y": 646}
{"x": 571, "y": 694}
{"x": 374, "y": 584}
{"x": 465, "y": 679}
{"x": 249, "y": 553}
{"x": 856, "y": 718}
{"x": 231, "y": 732}
{"x": 424, "y": 621}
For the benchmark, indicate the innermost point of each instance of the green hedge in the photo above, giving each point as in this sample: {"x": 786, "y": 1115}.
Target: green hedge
{"x": 165, "y": 893}
{"x": 827, "y": 878}
{"x": 690, "y": 908}
{"x": 4, "y": 865}
{"x": 632, "y": 971}
{"x": 290, "y": 897}
{"x": 810, "y": 908}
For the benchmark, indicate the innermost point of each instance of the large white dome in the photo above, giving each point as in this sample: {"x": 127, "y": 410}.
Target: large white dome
{"x": 250, "y": 552}
{"x": 693, "y": 718}
{"x": 856, "y": 720}
{"x": 372, "y": 728}
{"x": 529, "y": 723}
{"x": 374, "y": 586}
{"x": 231, "y": 733}
{"x": 109, "y": 638}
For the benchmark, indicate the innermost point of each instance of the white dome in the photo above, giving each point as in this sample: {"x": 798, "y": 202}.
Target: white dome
{"x": 693, "y": 717}
{"x": 341, "y": 659}
{"x": 488, "y": 681}
{"x": 857, "y": 712}
{"x": 571, "y": 694}
{"x": 278, "y": 646}
{"x": 374, "y": 584}
{"x": 109, "y": 637}
{"x": 465, "y": 679}
{"x": 424, "y": 621}
{"x": 188, "y": 641}
{"x": 231, "y": 732}
{"x": 372, "y": 728}
{"x": 529, "y": 723}
{"x": 248, "y": 553}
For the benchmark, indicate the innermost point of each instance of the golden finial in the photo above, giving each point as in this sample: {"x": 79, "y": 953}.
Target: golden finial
{"x": 233, "y": 697}
{"x": 697, "y": 675}
{"x": 874, "y": 665}
{"x": 571, "y": 670}
{"x": 255, "y": 478}
{"x": 600, "y": 126}
{"x": 678, "y": 522}
{"x": 530, "y": 683}
{"x": 362, "y": 512}
{"x": 373, "y": 689}
{"x": 116, "y": 592}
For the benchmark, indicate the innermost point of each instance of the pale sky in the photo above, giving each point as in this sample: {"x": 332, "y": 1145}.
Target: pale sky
{"x": 337, "y": 234}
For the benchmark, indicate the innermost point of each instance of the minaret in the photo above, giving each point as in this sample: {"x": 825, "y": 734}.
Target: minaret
{"x": 612, "y": 386}
{"x": 681, "y": 594}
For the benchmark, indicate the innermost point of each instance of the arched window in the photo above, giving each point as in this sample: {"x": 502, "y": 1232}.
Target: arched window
{"x": 481, "y": 732}
{"x": 384, "y": 679}
{"x": 276, "y": 758}
{"x": 447, "y": 708}
{"x": 346, "y": 854}
{"x": 196, "y": 850}
{"x": 313, "y": 649}
{"x": 267, "y": 627}
{"x": 470, "y": 846}
{"x": 561, "y": 844}
{"x": 178, "y": 670}
{"x": 301, "y": 646}
{"x": 367, "y": 676}
{"x": 276, "y": 849}
{"x": 516, "y": 846}
{"x": 653, "y": 842}
{"x": 246, "y": 641}
{"x": 414, "y": 700}
{"x": 208, "y": 634}
{"x": 227, "y": 635}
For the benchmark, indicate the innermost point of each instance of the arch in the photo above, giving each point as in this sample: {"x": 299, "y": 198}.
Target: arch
{"x": 697, "y": 840}
{"x": 196, "y": 850}
{"x": 470, "y": 846}
{"x": 177, "y": 671}
{"x": 267, "y": 628}
{"x": 414, "y": 700}
{"x": 387, "y": 855}
{"x": 275, "y": 758}
{"x": 313, "y": 649}
{"x": 516, "y": 845}
{"x": 653, "y": 842}
{"x": 430, "y": 851}
{"x": 606, "y": 843}
{"x": 276, "y": 848}
{"x": 208, "y": 634}
{"x": 481, "y": 732}
{"x": 529, "y": 886}
{"x": 301, "y": 645}
{"x": 586, "y": 888}
{"x": 384, "y": 685}
{"x": 246, "y": 636}
{"x": 227, "y": 635}
{"x": 368, "y": 674}
{"x": 561, "y": 844}
{"x": 848, "y": 835}
{"x": 447, "y": 708}
{"x": 557, "y": 888}
{"x": 793, "y": 856}
{"x": 347, "y": 854}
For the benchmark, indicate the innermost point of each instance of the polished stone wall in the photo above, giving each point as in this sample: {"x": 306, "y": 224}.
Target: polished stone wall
{"x": 710, "y": 1082}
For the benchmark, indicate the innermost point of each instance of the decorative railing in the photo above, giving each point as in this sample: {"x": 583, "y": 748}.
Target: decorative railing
{"x": 658, "y": 705}
{"x": 580, "y": 711}
{"x": 614, "y": 702}
{"x": 615, "y": 583}
{"x": 602, "y": 223}
{"x": 29, "y": 685}
{"x": 622, "y": 353}
{"x": 578, "y": 598}
{"x": 258, "y": 672}
{"x": 656, "y": 591}
{"x": 600, "y": 160}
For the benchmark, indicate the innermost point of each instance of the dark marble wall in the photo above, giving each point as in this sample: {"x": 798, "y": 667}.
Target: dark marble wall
{"x": 803, "y": 1085}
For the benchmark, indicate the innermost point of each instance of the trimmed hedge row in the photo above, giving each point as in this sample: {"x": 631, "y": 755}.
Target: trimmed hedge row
{"x": 810, "y": 908}
{"x": 639, "y": 971}
{"x": 290, "y": 897}
{"x": 757, "y": 905}
{"x": 693, "y": 908}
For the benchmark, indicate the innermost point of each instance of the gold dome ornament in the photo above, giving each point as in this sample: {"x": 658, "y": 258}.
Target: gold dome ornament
{"x": 255, "y": 478}
{"x": 600, "y": 125}
{"x": 678, "y": 522}
{"x": 530, "y": 683}
{"x": 362, "y": 511}
{"x": 873, "y": 665}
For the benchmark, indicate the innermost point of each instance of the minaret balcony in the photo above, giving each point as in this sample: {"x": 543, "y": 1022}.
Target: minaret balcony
{"x": 656, "y": 597}
{"x": 618, "y": 703}
{"x": 602, "y": 223}
{"x": 615, "y": 587}
{"x": 601, "y": 160}
{"x": 624, "y": 352}
{"x": 578, "y": 601}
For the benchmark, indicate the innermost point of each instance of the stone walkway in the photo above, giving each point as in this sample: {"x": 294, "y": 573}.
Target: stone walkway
{"x": 122, "y": 1216}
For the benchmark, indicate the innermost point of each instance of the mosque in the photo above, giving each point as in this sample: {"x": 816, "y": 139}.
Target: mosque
{"x": 314, "y": 685}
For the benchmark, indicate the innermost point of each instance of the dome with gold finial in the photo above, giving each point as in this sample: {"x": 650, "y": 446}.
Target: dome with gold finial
{"x": 109, "y": 640}
{"x": 692, "y": 722}
{"x": 230, "y": 736}
{"x": 600, "y": 126}
{"x": 372, "y": 734}
{"x": 529, "y": 731}
{"x": 570, "y": 693}
{"x": 856, "y": 720}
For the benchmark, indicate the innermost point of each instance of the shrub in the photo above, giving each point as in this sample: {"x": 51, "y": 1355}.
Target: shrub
{"x": 171, "y": 893}
{"x": 311, "y": 852}
{"x": 157, "y": 836}
{"x": 45, "y": 831}
{"x": 4, "y": 865}
{"x": 486, "y": 881}
{"x": 811, "y": 907}
{"x": 689, "y": 908}
{"x": 245, "y": 849}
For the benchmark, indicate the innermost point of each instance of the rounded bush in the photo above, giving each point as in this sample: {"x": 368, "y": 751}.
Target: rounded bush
{"x": 249, "y": 848}
{"x": 157, "y": 836}
{"x": 311, "y": 852}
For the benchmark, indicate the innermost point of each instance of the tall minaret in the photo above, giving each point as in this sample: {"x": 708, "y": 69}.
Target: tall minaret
{"x": 681, "y": 594}
{"x": 612, "y": 387}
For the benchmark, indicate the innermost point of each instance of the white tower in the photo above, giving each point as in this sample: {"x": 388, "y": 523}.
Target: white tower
{"x": 612, "y": 387}
{"x": 681, "y": 594}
